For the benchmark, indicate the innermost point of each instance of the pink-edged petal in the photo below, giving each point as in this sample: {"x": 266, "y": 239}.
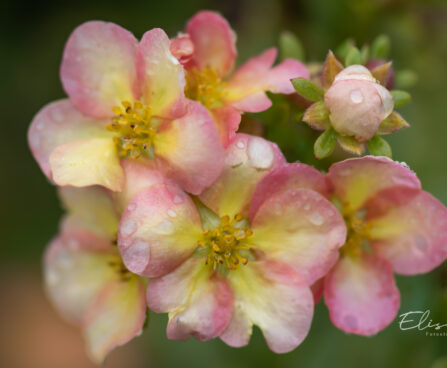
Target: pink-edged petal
{"x": 301, "y": 228}
{"x": 409, "y": 229}
{"x": 158, "y": 230}
{"x": 57, "y": 123}
{"x": 190, "y": 149}
{"x": 91, "y": 209}
{"x": 199, "y": 302}
{"x": 76, "y": 267}
{"x": 248, "y": 159}
{"x": 182, "y": 48}
{"x": 357, "y": 180}
{"x": 289, "y": 176}
{"x": 87, "y": 162}
{"x": 256, "y": 76}
{"x": 272, "y": 296}
{"x": 317, "y": 289}
{"x": 99, "y": 68}
{"x": 138, "y": 175}
{"x": 227, "y": 120}
{"x": 214, "y": 42}
{"x": 163, "y": 75}
{"x": 255, "y": 102}
{"x": 361, "y": 294}
{"x": 115, "y": 317}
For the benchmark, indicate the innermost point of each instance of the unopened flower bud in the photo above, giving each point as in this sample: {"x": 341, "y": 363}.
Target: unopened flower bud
{"x": 357, "y": 103}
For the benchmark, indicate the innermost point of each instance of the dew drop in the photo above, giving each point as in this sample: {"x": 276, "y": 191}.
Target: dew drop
{"x": 128, "y": 227}
{"x": 165, "y": 227}
{"x": 356, "y": 96}
{"x": 240, "y": 144}
{"x": 350, "y": 321}
{"x": 260, "y": 153}
{"x": 132, "y": 207}
{"x": 307, "y": 206}
{"x": 316, "y": 218}
{"x": 178, "y": 199}
{"x": 40, "y": 124}
{"x": 421, "y": 243}
{"x": 171, "y": 213}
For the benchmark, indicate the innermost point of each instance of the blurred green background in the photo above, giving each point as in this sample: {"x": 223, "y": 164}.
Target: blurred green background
{"x": 32, "y": 39}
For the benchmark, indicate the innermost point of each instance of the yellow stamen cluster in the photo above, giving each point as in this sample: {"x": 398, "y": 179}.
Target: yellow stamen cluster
{"x": 357, "y": 238}
{"x": 205, "y": 86}
{"x": 225, "y": 243}
{"x": 135, "y": 132}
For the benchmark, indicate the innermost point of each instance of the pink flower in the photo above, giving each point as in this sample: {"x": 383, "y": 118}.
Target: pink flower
{"x": 393, "y": 226}
{"x": 209, "y": 79}
{"x": 85, "y": 277}
{"x": 357, "y": 103}
{"x": 126, "y": 100}
{"x": 237, "y": 255}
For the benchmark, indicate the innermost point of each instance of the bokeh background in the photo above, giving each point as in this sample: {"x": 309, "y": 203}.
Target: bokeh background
{"x": 32, "y": 38}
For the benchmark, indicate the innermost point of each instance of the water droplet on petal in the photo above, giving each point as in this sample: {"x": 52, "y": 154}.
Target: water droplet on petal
{"x": 171, "y": 213}
{"x": 128, "y": 227}
{"x": 165, "y": 227}
{"x": 350, "y": 321}
{"x": 240, "y": 144}
{"x": 356, "y": 96}
{"x": 132, "y": 207}
{"x": 178, "y": 199}
{"x": 421, "y": 243}
{"x": 260, "y": 153}
{"x": 316, "y": 218}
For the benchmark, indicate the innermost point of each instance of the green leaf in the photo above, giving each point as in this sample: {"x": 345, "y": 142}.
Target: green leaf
{"x": 401, "y": 98}
{"x": 290, "y": 46}
{"x": 380, "y": 48}
{"x": 308, "y": 89}
{"x": 353, "y": 57}
{"x": 406, "y": 79}
{"x": 342, "y": 50}
{"x": 379, "y": 147}
{"x": 325, "y": 144}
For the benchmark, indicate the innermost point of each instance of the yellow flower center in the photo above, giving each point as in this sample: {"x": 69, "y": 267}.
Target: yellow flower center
{"x": 135, "y": 129}
{"x": 226, "y": 245}
{"x": 118, "y": 266}
{"x": 205, "y": 86}
{"x": 357, "y": 239}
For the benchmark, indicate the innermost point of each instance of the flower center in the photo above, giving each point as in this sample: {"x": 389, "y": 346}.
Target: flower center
{"x": 226, "y": 246}
{"x": 205, "y": 86}
{"x": 118, "y": 266}
{"x": 135, "y": 129}
{"x": 357, "y": 238}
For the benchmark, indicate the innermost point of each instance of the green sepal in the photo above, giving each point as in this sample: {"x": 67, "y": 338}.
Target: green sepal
{"x": 307, "y": 89}
{"x": 290, "y": 46}
{"x": 353, "y": 57}
{"x": 380, "y": 48}
{"x": 400, "y": 98}
{"x": 379, "y": 147}
{"x": 325, "y": 144}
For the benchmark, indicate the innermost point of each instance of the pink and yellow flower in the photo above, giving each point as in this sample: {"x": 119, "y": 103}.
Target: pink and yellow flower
{"x": 85, "y": 277}
{"x": 208, "y": 51}
{"x": 237, "y": 255}
{"x": 393, "y": 226}
{"x": 126, "y": 100}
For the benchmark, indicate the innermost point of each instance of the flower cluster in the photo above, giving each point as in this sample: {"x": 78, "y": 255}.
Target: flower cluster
{"x": 170, "y": 208}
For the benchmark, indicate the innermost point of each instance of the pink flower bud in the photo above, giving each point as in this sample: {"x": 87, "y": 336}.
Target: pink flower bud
{"x": 357, "y": 103}
{"x": 182, "y": 48}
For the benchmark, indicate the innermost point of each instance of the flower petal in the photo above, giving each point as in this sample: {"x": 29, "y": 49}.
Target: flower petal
{"x": 289, "y": 176}
{"x": 361, "y": 294}
{"x": 99, "y": 68}
{"x": 411, "y": 230}
{"x": 76, "y": 267}
{"x": 255, "y": 102}
{"x": 227, "y": 120}
{"x": 163, "y": 75}
{"x": 248, "y": 160}
{"x": 190, "y": 148}
{"x": 158, "y": 230}
{"x": 199, "y": 302}
{"x": 87, "y": 162}
{"x": 214, "y": 42}
{"x": 115, "y": 317}
{"x": 301, "y": 228}
{"x": 272, "y": 296}
{"x": 89, "y": 208}
{"x": 138, "y": 176}
{"x": 57, "y": 123}
{"x": 257, "y": 75}
{"x": 359, "y": 179}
